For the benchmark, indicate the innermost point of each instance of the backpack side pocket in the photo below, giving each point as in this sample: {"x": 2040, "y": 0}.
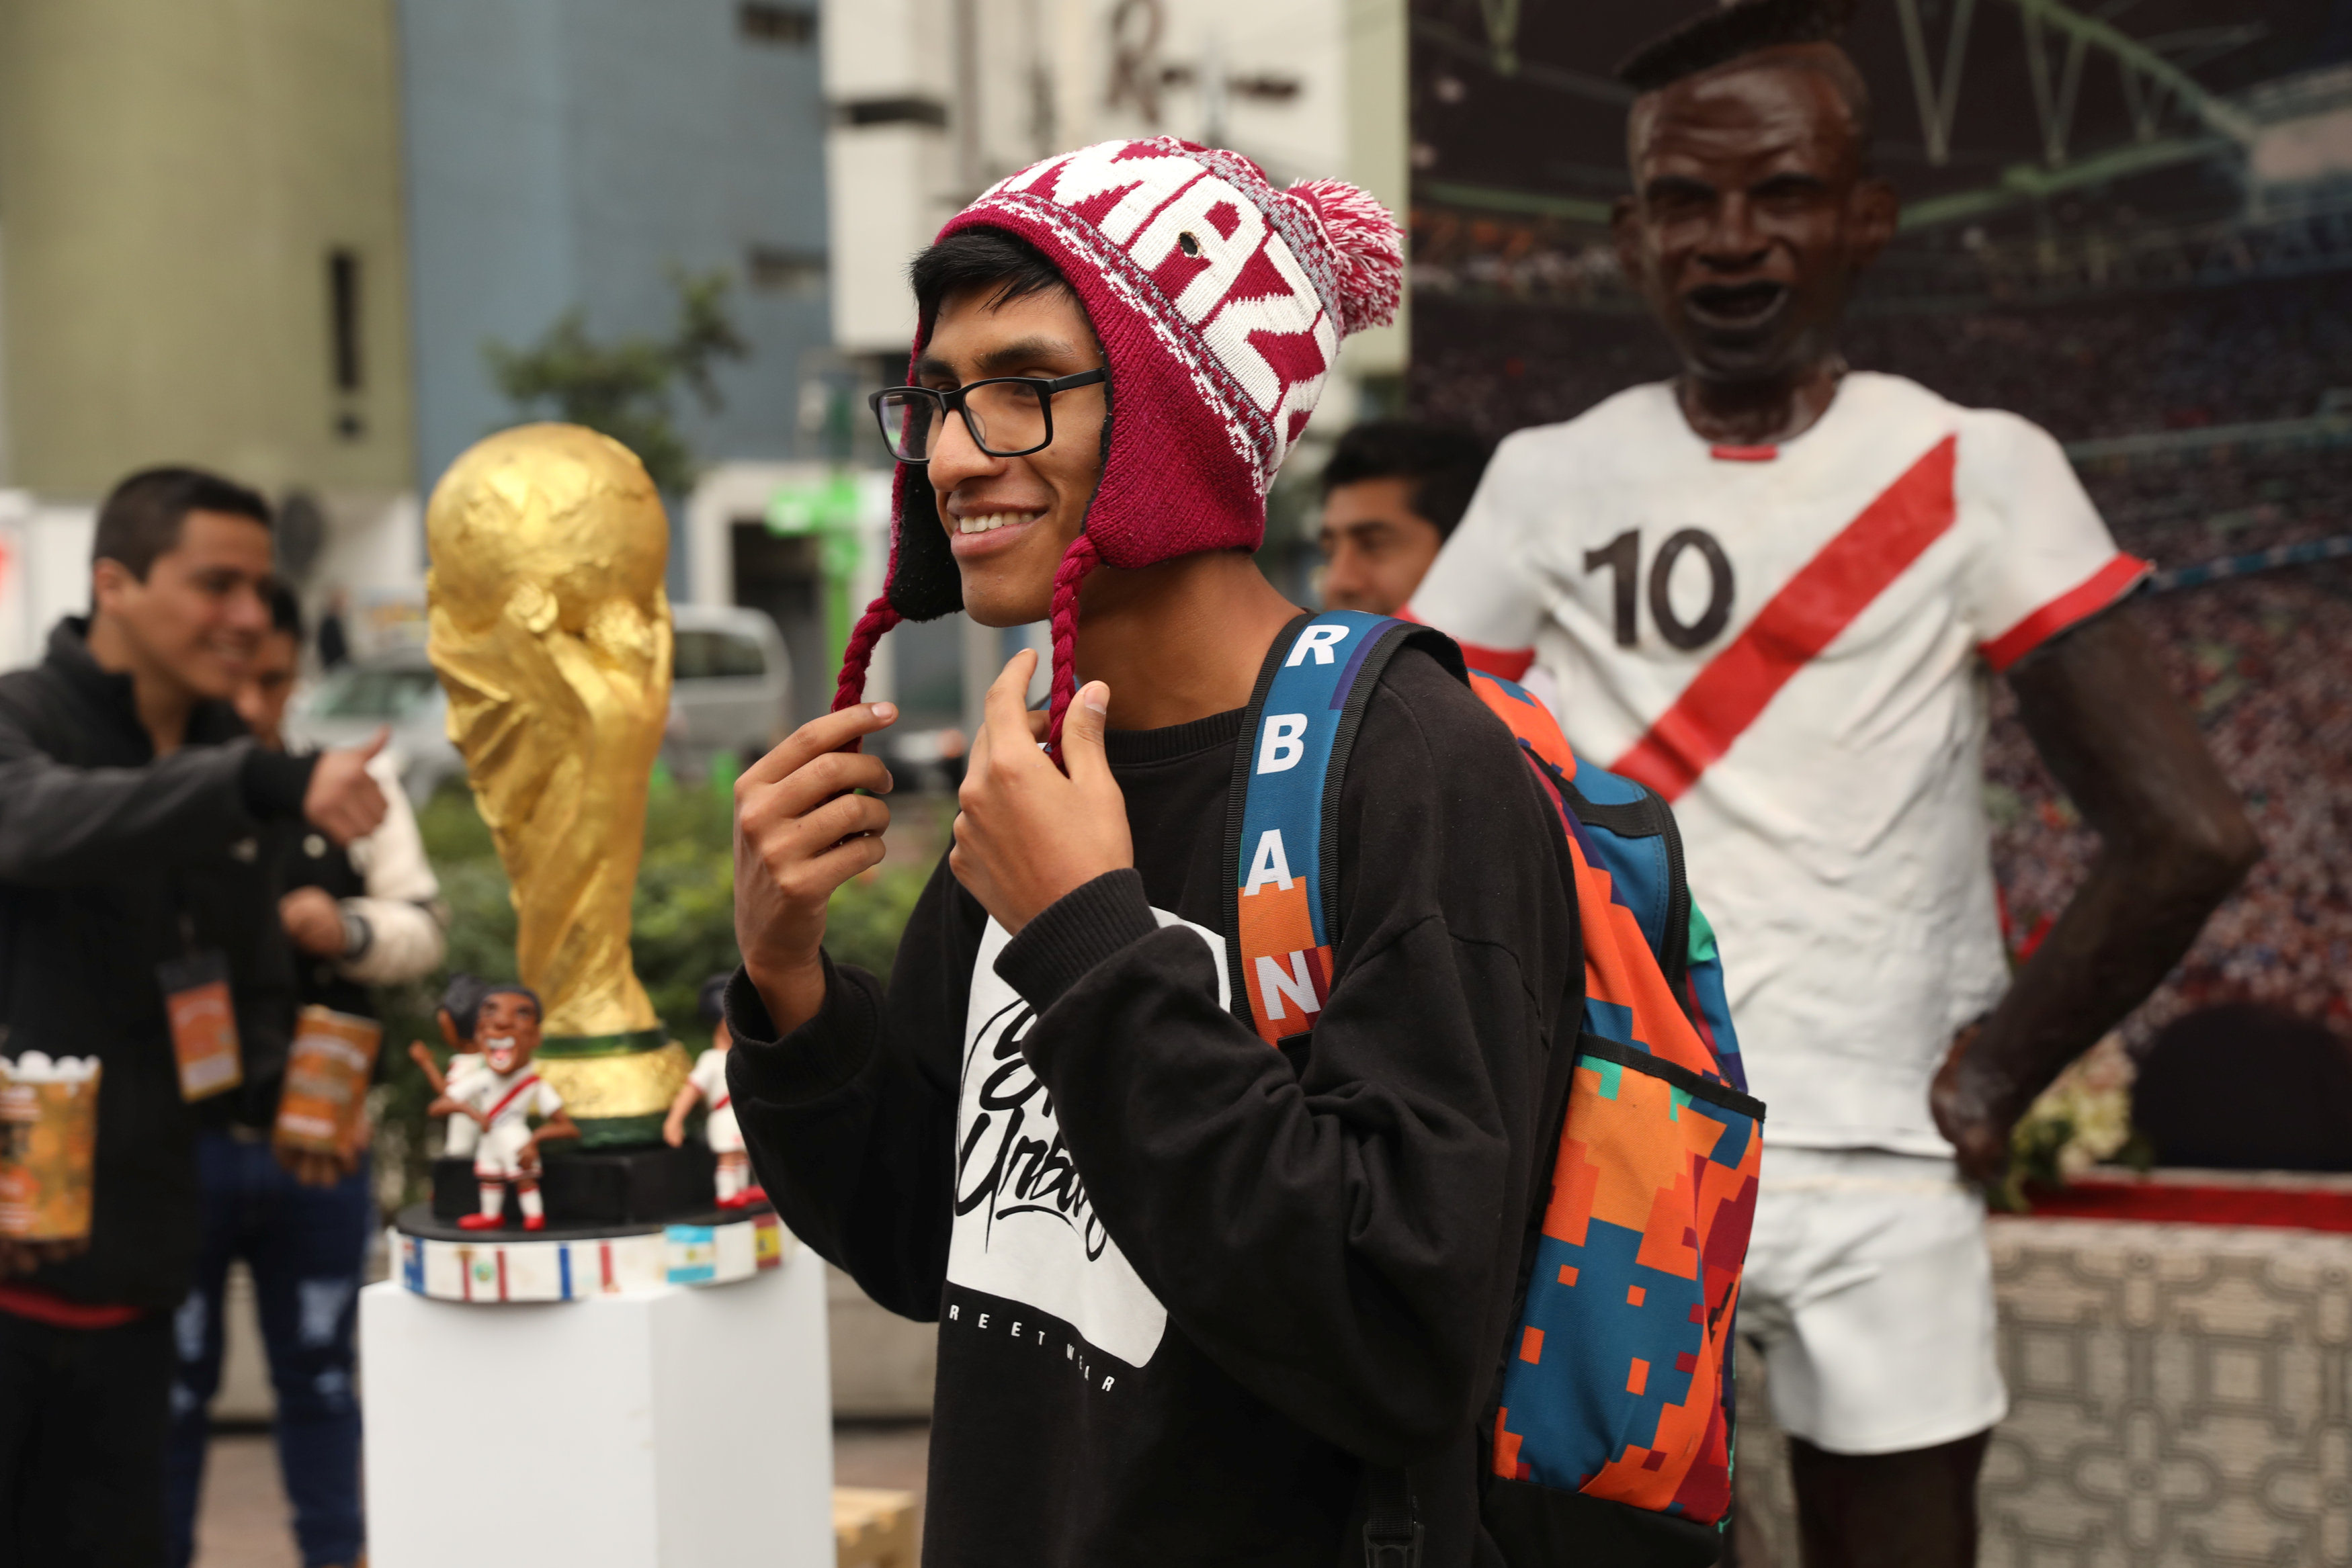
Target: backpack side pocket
{"x": 1616, "y": 1388}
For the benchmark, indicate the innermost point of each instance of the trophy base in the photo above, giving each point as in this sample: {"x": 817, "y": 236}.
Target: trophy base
{"x": 620, "y": 1132}
{"x": 596, "y": 1187}
{"x": 618, "y": 1087}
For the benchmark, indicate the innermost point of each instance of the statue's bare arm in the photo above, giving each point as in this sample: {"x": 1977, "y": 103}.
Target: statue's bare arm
{"x": 2173, "y": 841}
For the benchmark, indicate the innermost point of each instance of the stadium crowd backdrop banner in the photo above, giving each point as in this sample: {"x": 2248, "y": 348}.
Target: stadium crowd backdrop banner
{"x": 2150, "y": 277}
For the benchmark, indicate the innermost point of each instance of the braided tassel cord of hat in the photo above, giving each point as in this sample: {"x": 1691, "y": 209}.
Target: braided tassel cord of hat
{"x": 879, "y": 618}
{"x": 1076, "y": 561}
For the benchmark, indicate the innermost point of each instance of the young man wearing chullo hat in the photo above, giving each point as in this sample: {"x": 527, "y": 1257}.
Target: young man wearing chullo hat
{"x": 1191, "y": 1289}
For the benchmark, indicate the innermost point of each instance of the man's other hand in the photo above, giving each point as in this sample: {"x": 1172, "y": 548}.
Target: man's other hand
{"x": 1965, "y": 1103}
{"x": 313, "y": 921}
{"x": 312, "y": 1168}
{"x": 1027, "y": 834}
{"x": 801, "y": 830}
{"x": 343, "y": 803}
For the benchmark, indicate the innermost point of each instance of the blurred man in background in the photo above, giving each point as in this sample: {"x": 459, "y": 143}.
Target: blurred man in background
{"x": 132, "y": 806}
{"x": 1391, "y": 494}
{"x": 357, "y": 916}
{"x": 364, "y": 916}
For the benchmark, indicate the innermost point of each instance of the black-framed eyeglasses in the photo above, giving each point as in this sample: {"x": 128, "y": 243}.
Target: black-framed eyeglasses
{"x": 1008, "y": 416}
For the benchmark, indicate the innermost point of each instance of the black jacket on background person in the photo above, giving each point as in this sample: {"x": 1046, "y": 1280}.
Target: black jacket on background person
{"x": 111, "y": 859}
{"x": 394, "y": 927}
{"x": 1189, "y": 1285}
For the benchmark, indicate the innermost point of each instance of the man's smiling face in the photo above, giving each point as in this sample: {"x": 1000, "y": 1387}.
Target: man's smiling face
{"x": 1751, "y": 214}
{"x": 204, "y": 606}
{"x": 1010, "y": 519}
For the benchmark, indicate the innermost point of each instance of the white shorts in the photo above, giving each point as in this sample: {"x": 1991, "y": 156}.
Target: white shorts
{"x": 1870, "y": 1287}
{"x": 720, "y": 1130}
{"x": 463, "y": 1132}
{"x": 498, "y": 1157}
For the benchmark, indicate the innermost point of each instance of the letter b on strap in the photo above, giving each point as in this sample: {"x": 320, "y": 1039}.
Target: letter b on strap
{"x": 1279, "y": 745}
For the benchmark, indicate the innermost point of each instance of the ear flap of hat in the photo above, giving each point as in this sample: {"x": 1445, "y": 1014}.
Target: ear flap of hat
{"x": 924, "y": 583}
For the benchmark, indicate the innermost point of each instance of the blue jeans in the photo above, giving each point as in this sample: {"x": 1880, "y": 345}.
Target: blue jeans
{"x": 307, "y": 1248}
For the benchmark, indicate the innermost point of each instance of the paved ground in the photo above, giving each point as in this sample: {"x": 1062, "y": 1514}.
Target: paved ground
{"x": 243, "y": 1523}
{"x": 882, "y": 1453}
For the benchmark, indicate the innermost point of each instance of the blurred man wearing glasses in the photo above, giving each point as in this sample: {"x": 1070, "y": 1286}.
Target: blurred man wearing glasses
{"x": 357, "y": 916}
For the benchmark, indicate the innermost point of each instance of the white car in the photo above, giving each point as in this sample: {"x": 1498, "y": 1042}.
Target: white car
{"x": 731, "y": 692}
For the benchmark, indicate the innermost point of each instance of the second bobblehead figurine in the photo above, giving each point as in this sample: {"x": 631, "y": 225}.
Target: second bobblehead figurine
{"x": 500, "y": 1097}
{"x": 708, "y": 1081}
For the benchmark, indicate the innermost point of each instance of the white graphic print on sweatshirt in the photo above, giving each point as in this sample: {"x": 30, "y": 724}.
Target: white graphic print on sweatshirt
{"x": 1024, "y": 1229}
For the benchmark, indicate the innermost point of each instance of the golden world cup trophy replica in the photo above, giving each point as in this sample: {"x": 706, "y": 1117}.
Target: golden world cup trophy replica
{"x": 550, "y": 631}
{"x": 551, "y": 635}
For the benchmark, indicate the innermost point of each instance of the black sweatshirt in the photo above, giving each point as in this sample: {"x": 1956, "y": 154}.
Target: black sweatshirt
{"x": 1187, "y": 1284}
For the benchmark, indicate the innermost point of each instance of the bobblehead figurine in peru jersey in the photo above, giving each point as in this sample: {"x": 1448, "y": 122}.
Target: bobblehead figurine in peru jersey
{"x": 1772, "y": 590}
{"x": 707, "y": 1083}
{"x": 460, "y": 999}
{"x": 500, "y": 1097}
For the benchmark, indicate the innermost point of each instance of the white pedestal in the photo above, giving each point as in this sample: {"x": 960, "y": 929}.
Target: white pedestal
{"x": 684, "y": 1428}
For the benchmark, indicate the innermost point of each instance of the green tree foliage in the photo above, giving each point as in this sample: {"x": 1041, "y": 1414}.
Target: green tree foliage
{"x": 623, "y": 387}
{"x": 683, "y": 931}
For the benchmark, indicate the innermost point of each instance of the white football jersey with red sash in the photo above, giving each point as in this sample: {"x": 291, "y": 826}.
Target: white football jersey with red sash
{"x": 1790, "y": 643}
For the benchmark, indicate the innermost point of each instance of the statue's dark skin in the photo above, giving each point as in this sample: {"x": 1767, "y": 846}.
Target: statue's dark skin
{"x": 1752, "y": 215}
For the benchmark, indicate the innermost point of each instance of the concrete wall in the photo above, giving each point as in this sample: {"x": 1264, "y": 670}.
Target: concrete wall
{"x": 1307, "y": 87}
{"x": 172, "y": 178}
{"x": 43, "y": 572}
{"x": 890, "y": 76}
{"x": 567, "y": 153}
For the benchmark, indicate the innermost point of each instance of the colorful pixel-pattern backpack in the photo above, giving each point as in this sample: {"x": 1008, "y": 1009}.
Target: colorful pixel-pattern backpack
{"x": 1609, "y": 1437}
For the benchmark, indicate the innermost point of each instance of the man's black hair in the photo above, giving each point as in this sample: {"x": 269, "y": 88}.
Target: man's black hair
{"x": 711, "y": 1001}
{"x": 461, "y": 998}
{"x": 1443, "y": 462}
{"x": 976, "y": 258}
{"x": 142, "y": 519}
{"x": 508, "y": 989}
{"x": 1734, "y": 32}
{"x": 285, "y": 611}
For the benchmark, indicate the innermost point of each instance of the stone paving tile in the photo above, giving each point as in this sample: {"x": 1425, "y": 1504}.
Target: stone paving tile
{"x": 892, "y": 1454}
{"x": 242, "y": 1522}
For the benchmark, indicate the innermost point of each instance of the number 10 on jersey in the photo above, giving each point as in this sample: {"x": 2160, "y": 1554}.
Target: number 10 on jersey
{"x": 1622, "y": 557}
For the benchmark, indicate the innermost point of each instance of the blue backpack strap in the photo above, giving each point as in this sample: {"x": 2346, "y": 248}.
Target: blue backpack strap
{"x": 1283, "y": 822}
{"x": 1282, "y": 840}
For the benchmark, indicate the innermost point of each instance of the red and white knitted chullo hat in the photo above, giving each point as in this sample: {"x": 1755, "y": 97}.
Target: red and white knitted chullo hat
{"x": 1220, "y": 302}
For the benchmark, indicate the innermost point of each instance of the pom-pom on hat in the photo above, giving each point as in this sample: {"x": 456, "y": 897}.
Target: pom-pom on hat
{"x": 1220, "y": 303}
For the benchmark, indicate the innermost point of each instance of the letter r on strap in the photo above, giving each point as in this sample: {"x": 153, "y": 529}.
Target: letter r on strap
{"x": 1318, "y": 641}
